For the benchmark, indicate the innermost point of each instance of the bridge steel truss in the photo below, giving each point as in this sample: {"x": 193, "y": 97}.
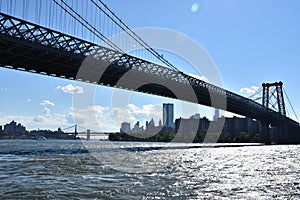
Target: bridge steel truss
{"x": 278, "y": 96}
{"x": 29, "y": 47}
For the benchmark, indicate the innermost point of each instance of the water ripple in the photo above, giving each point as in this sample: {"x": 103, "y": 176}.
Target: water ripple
{"x": 66, "y": 170}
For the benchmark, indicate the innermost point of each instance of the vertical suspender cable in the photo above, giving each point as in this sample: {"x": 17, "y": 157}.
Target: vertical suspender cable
{"x": 95, "y": 23}
{"x": 35, "y": 11}
{"x": 133, "y": 34}
{"x": 75, "y": 29}
{"x": 86, "y": 16}
{"x": 40, "y": 10}
{"x": 65, "y": 24}
{"x": 26, "y": 9}
{"x": 60, "y": 21}
{"x": 46, "y": 11}
{"x": 14, "y": 7}
{"x": 8, "y": 6}
{"x": 50, "y": 13}
{"x": 88, "y": 26}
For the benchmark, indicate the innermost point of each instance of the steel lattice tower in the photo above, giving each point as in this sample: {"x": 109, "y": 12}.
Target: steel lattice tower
{"x": 277, "y": 93}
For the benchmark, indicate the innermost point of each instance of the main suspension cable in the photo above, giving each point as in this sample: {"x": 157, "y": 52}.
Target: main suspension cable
{"x": 87, "y": 25}
{"x": 255, "y": 93}
{"x": 132, "y": 34}
{"x": 290, "y": 104}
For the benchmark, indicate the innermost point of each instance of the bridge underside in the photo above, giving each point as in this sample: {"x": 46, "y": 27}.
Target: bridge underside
{"x": 37, "y": 58}
{"x": 24, "y": 55}
{"x": 44, "y": 51}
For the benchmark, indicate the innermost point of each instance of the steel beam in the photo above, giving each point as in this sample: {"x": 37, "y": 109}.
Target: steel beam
{"x": 53, "y": 52}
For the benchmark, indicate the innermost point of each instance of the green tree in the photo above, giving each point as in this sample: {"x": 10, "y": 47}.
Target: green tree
{"x": 244, "y": 137}
{"x": 256, "y": 138}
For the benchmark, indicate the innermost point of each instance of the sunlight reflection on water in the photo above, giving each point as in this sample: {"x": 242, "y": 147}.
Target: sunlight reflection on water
{"x": 250, "y": 172}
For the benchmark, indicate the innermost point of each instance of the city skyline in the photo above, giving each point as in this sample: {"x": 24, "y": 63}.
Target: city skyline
{"x": 73, "y": 126}
{"x": 39, "y": 101}
{"x": 167, "y": 113}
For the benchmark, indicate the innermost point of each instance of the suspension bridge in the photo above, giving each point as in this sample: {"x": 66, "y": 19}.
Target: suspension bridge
{"x": 85, "y": 133}
{"x": 55, "y": 37}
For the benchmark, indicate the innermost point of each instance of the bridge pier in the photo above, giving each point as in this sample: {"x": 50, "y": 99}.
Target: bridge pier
{"x": 266, "y": 136}
{"x": 274, "y": 134}
{"x": 289, "y": 134}
{"x": 293, "y": 135}
{"x": 277, "y": 134}
{"x": 283, "y": 133}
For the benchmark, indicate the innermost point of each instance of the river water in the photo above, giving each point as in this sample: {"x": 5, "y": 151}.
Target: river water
{"x": 58, "y": 169}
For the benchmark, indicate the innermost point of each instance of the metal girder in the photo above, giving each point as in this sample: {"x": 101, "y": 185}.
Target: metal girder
{"x": 277, "y": 93}
{"x": 53, "y": 52}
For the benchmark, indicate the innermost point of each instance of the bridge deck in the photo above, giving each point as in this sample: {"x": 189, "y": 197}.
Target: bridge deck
{"x": 30, "y": 47}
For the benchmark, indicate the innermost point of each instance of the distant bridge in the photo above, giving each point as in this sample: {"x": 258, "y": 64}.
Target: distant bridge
{"x": 30, "y": 47}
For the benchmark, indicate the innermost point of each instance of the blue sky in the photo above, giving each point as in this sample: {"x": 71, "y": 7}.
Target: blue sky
{"x": 250, "y": 41}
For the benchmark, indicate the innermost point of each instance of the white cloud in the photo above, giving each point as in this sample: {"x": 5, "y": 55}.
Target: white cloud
{"x": 120, "y": 115}
{"x": 47, "y": 103}
{"x": 202, "y": 78}
{"x": 78, "y": 117}
{"x": 101, "y": 118}
{"x": 47, "y": 112}
{"x": 4, "y": 89}
{"x": 70, "y": 117}
{"x": 71, "y": 89}
{"x": 249, "y": 90}
{"x": 28, "y": 100}
{"x": 147, "y": 110}
{"x": 96, "y": 118}
{"x": 19, "y": 119}
{"x": 39, "y": 119}
{"x": 133, "y": 113}
{"x": 35, "y": 122}
{"x": 44, "y": 122}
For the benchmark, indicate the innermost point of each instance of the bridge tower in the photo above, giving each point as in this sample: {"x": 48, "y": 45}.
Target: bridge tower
{"x": 277, "y": 94}
{"x": 273, "y": 91}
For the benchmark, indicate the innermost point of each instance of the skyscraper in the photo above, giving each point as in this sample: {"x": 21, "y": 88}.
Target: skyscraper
{"x": 168, "y": 115}
{"x": 217, "y": 114}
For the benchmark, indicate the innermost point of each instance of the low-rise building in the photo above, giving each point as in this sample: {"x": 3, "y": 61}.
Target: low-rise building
{"x": 125, "y": 127}
{"x": 191, "y": 125}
